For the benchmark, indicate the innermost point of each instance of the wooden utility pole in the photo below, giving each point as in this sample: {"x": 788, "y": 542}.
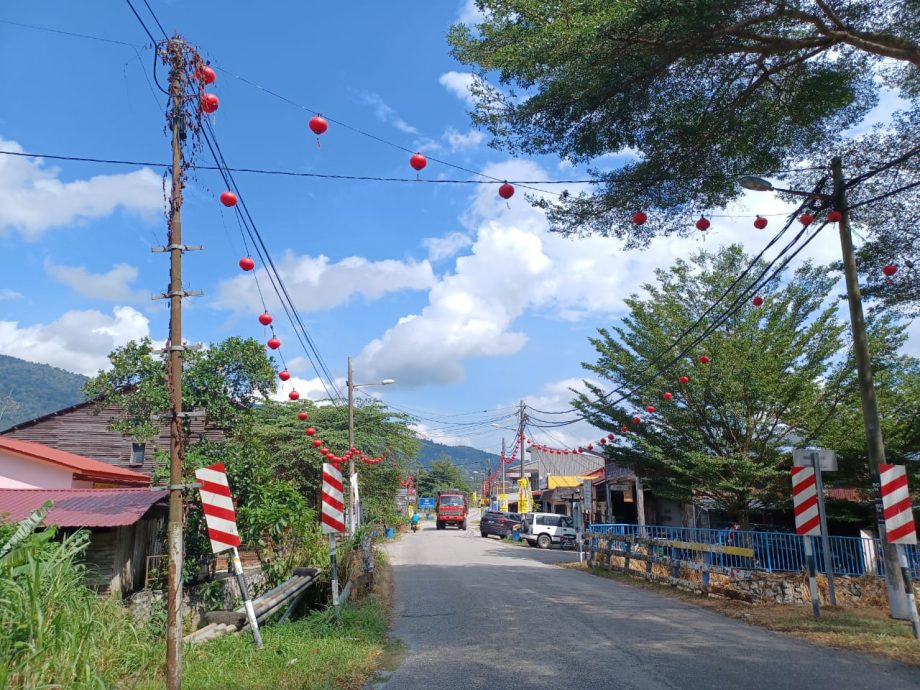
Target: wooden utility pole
{"x": 175, "y": 50}
{"x": 875, "y": 445}
{"x": 352, "y": 517}
{"x": 522, "y": 478}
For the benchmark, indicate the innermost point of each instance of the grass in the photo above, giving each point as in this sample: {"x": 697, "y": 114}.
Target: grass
{"x": 869, "y": 631}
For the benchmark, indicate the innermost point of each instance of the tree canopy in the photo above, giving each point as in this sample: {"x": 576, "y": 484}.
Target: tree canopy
{"x": 442, "y": 474}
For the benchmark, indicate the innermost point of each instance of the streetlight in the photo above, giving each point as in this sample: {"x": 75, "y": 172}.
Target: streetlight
{"x": 900, "y": 595}
{"x": 352, "y": 516}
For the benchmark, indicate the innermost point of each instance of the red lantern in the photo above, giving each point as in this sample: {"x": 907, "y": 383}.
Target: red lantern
{"x": 650, "y": 409}
{"x": 325, "y": 451}
{"x": 265, "y": 318}
{"x": 209, "y": 102}
{"x": 506, "y": 191}
{"x": 760, "y": 222}
{"x": 890, "y": 270}
{"x": 639, "y": 217}
{"x": 284, "y": 375}
{"x": 318, "y": 125}
{"x": 624, "y": 428}
{"x": 228, "y": 199}
{"x": 637, "y": 420}
{"x": 704, "y": 359}
{"x": 273, "y": 343}
{"x": 294, "y": 395}
{"x": 247, "y": 264}
{"x": 757, "y": 301}
{"x": 302, "y": 416}
{"x": 418, "y": 161}
{"x": 603, "y": 441}
{"x": 667, "y": 395}
{"x": 834, "y": 216}
{"x": 684, "y": 380}
{"x": 611, "y": 436}
{"x": 316, "y": 442}
{"x": 703, "y": 223}
{"x": 806, "y": 219}
{"x": 310, "y": 431}
{"x": 580, "y": 449}
{"x": 206, "y": 74}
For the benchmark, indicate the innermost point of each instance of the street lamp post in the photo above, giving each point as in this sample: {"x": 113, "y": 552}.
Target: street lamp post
{"x": 352, "y": 516}
{"x": 900, "y": 593}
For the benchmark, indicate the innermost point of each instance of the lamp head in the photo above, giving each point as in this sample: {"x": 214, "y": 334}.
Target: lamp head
{"x": 387, "y": 382}
{"x": 756, "y": 184}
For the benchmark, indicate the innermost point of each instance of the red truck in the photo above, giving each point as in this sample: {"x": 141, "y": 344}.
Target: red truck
{"x": 451, "y": 508}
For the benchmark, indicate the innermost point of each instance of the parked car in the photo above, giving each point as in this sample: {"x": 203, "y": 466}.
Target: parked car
{"x": 544, "y": 529}
{"x": 498, "y": 523}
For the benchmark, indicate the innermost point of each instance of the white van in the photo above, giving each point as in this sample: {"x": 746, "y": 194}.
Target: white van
{"x": 543, "y": 529}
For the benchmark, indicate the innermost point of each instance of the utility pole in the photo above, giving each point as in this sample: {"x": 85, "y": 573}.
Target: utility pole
{"x": 504, "y": 489}
{"x": 351, "y": 444}
{"x": 894, "y": 579}
{"x": 175, "y": 53}
{"x": 522, "y": 482}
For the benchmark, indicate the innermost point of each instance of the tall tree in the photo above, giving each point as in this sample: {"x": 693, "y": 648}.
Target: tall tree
{"x": 442, "y": 474}
{"x": 767, "y": 380}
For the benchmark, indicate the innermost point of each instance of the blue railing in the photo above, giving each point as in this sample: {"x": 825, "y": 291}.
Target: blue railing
{"x": 773, "y": 551}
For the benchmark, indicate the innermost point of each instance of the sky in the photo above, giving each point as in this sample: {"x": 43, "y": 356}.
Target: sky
{"x": 466, "y": 300}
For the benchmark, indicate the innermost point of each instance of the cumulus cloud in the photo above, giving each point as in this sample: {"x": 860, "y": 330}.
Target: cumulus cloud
{"x": 425, "y": 431}
{"x": 459, "y": 141}
{"x": 309, "y": 388}
{"x": 78, "y": 341}
{"x": 315, "y": 283}
{"x": 459, "y": 84}
{"x": 387, "y": 114}
{"x": 112, "y": 286}
{"x": 33, "y": 198}
{"x": 447, "y": 246}
{"x": 470, "y": 14}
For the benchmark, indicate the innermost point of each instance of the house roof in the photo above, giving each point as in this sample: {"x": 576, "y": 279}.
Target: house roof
{"x": 82, "y": 466}
{"x": 49, "y": 415}
{"x": 81, "y": 507}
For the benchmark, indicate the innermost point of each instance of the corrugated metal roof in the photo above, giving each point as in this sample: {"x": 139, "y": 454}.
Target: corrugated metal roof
{"x": 81, "y": 507}
{"x": 78, "y": 463}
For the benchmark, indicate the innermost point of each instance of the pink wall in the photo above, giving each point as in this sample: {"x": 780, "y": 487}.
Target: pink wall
{"x": 19, "y": 473}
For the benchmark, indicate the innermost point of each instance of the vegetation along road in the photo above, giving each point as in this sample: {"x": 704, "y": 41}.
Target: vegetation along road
{"x": 479, "y": 613}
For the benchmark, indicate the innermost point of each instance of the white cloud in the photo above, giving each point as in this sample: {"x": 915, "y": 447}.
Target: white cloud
{"x": 309, "y": 389}
{"x": 9, "y": 295}
{"x": 113, "y": 286}
{"x": 315, "y": 283}
{"x": 459, "y": 141}
{"x": 447, "y": 246}
{"x": 470, "y": 14}
{"x": 437, "y": 436}
{"x": 33, "y": 199}
{"x": 79, "y": 341}
{"x": 459, "y": 83}
{"x": 385, "y": 113}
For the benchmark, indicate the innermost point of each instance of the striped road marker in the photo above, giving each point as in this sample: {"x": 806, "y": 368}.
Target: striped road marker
{"x": 807, "y": 522}
{"x": 332, "y": 518}
{"x": 899, "y": 517}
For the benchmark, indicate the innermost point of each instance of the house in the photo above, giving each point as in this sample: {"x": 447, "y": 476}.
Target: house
{"x": 84, "y": 429}
{"x": 30, "y": 465}
{"x": 123, "y": 525}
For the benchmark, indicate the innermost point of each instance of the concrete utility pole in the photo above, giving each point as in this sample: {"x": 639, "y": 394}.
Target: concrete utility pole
{"x": 504, "y": 489}
{"x": 351, "y": 444}
{"x": 521, "y": 442}
{"x": 897, "y": 600}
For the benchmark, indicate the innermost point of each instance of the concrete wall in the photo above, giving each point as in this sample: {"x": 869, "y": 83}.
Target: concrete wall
{"x": 20, "y": 473}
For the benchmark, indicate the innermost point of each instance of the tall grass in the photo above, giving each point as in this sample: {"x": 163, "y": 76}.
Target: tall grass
{"x": 56, "y": 633}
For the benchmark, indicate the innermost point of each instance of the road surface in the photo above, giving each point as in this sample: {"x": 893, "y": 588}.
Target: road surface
{"x": 477, "y": 613}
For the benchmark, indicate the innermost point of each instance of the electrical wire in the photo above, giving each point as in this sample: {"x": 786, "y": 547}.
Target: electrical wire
{"x": 143, "y": 25}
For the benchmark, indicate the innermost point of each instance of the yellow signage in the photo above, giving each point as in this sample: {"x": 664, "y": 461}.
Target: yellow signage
{"x": 503, "y": 502}
{"x": 525, "y": 498}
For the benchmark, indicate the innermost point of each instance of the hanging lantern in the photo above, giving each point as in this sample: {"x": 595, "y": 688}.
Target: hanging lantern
{"x": 247, "y": 264}
{"x": 834, "y": 216}
{"x": 624, "y": 428}
{"x": 637, "y": 420}
{"x": 684, "y": 380}
{"x": 294, "y": 395}
{"x": 580, "y": 449}
{"x": 611, "y": 436}
{"x": 704, "y": 359}
{"x": 228, "y": 199}
{"x": 650, "y": 409}
{"x": 265, "y": 318}
{"x": 318, "y": 124}
{"x": 667, "y": 395}
{"x": 703, "y": 223}
{"x": 310, "y": 431}
{"x": 206, "y": 74}
{"x": 316, "y": 442}
{"x": 302, "y": 416}
{"x": 760, "y": 222}
{"x": 639, "y": 218}
{"x": 418, "y": 161}
{"x": 273, "y": 343}
{"x": 284, "y": 375}
{"x": 506, "y": 191}
{"x": 890, "y": 269}
{"x": 325, "y": 451}
{"x": 210, "y": 102}
{"x": 603, "y": 441}
{"x": 757, "y": 301}
{"x": 590, "y": 447}
{"x": 806, "y": 219}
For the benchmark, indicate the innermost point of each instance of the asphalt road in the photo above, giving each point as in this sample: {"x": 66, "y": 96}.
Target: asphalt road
{"x": 477, "y": 613}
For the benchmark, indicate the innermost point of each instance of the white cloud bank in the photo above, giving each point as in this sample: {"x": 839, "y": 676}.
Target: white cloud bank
{"x": 445, "y": 247}
{"x": 33, "y": 199}
{"x": 459, "y": 84}
{"x": 112, "y": 286}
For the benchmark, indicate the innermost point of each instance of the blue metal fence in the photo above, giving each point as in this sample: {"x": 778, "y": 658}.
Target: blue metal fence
{"x": 774, "y": 551}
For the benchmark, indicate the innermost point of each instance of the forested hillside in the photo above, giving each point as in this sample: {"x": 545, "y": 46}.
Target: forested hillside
{"x": 29, "y": 390}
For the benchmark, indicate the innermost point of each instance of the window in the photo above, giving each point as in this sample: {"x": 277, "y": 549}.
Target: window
{"x": 451, "y": 500}
{"x": 566, "y": 521}
{"x": 548, "y": 520}
{"x": 137, "y": 453}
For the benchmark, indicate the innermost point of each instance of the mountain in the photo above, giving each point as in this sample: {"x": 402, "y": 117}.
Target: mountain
{"x": 465, "y": 457}
{"x": 29, "y": 390}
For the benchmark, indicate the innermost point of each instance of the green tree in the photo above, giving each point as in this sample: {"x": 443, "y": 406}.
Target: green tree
{"x": 442, "y": 474}
{"x": 703, "y": 91}
{"x": 770, "y": 382}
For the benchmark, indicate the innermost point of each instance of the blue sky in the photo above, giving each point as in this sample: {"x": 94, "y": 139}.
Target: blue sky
{"x": 463, "y": 298}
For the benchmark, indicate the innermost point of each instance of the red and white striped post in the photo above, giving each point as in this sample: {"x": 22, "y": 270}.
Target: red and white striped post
{"x": 220, "y": 516}
{"x": 900, "y": 527}
{"x": 332, "y": 519}
{"x": 807, "y": 522}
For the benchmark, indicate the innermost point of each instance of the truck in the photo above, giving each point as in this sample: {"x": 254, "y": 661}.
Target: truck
{"x": 451, "y": 508}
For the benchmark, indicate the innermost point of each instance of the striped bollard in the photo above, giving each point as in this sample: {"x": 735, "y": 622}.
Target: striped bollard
{"x": 332, "y": 518}
{"x": 900, "y": 528}
{"x": 807, "y": 522}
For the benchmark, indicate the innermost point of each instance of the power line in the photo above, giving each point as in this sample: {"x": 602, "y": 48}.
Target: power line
{"x": 73, "y": 34}
{"x": 141, "y": 21}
